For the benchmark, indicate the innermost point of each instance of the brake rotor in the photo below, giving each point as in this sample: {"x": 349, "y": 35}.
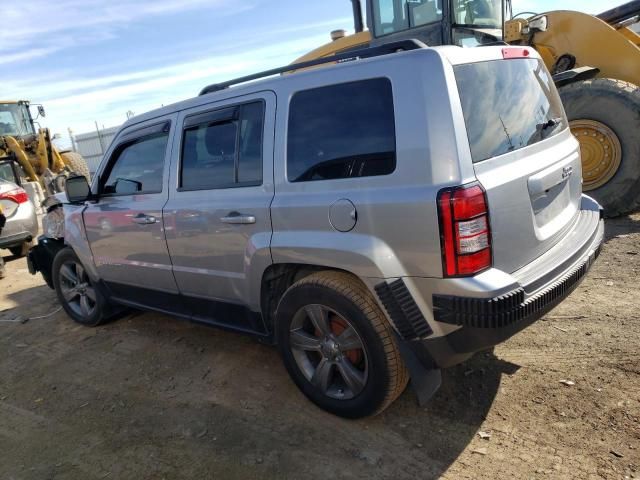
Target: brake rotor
{"x": 338, "y": 326}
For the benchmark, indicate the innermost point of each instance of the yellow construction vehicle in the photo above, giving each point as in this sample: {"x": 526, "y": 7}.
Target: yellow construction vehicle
{"x": 30, "y": 156}
{"x": 595, "y": 61}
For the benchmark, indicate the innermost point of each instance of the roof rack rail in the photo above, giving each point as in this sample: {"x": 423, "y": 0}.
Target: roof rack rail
{"x": 349, "y": 56}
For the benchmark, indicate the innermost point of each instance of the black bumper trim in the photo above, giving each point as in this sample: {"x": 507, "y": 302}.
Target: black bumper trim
{"x": 403, "y": 310}
{"x": 40, "y": 257}
{"x": 511, "y": 308}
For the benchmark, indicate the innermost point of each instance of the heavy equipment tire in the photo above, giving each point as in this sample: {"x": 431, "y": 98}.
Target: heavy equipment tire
{"x": 604, "y": 115}
{"x": 83, "y": 301}
{"x": 76, "y": 163}
{"x": 318, "y": 318}
{"x": 21, "y": 250}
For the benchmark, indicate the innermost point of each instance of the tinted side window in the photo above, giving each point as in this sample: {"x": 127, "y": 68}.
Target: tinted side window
{"x": 342, "y": 131}
{"x": 250, "y": 155}
{"x": 138, "y": 166}
{"x": 224, "y": 153}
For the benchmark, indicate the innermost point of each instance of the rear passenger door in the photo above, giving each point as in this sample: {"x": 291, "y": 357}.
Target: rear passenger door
{"x": 218, "y": 219}
{"x": 124, "y": 227}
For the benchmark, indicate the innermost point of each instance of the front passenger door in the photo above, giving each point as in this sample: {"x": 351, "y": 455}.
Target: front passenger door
{"x": 125, "y": 227}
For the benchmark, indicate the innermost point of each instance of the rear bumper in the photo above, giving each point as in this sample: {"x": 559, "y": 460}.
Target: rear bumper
{"x": 15, "y": 240}
{"x": 469, "y": 315}
{"x": 21, "y": 227}
{"x": 487, "y": 322}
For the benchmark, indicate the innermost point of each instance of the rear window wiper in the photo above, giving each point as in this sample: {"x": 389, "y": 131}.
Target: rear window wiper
{"x": 552, "y": 122}
{"x": 551, "y": 125}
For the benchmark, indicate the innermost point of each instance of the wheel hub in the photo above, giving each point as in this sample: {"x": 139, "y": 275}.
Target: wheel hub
{"x": 330, "y": 349}
{"x": 600, "y": 150}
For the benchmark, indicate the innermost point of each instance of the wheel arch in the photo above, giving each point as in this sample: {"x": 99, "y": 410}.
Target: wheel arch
{"x": 278, "y": 277}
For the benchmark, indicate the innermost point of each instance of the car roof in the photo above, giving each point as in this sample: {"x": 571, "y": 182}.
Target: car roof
{"x": 268, "y": 83}
{"x": 453, "y": 55}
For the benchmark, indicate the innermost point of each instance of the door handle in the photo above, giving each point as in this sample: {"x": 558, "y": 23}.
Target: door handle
{"x": 238, "y": 219}
{"x": 142, "y": 219}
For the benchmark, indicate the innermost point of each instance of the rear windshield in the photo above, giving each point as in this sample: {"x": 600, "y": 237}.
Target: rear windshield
{"x": 507, "y": 105}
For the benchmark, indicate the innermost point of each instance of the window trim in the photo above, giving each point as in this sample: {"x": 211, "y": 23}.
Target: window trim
{"x": 395, "y": 132}
{"x": 126, "y": 140}
{"x": 235, "y": 117}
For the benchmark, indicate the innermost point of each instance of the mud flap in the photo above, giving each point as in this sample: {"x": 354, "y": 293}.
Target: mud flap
{"x": 425, "y": 379}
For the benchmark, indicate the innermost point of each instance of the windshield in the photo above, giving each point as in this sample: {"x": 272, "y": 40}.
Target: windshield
{"x": 391, "y": 16}
{"x": 6, "y": 172}
{"x": 478, "y": 13}
{"x": 14, "y": 119}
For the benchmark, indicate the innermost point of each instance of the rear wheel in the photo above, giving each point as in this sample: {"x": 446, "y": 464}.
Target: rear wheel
{"x": 77, "y": 294}
{"x": 338, "y": 347}
{"x": 76, "y": 163}
{"x": 604, "y": 115}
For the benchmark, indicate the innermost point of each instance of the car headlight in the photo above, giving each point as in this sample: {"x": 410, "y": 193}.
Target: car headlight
{"x": 53, "y": 220}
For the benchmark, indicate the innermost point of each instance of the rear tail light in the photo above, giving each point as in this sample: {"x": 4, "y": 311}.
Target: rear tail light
{"x": 17, "y": 195}
{"x": 465, "y": 233}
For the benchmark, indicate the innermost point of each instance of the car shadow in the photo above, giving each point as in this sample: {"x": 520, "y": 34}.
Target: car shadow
{"x": 614, "y": 227}
{"x": 9, "y": 258}
{"x": 227, "y": 399}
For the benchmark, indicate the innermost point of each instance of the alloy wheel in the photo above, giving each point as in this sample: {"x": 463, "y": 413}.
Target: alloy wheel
{"x": 329, "y": 351}
{"x": 76, "y": 289}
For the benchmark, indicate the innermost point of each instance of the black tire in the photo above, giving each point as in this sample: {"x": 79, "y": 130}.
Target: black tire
{"x": 21, "y": 250}
{"x": 76, "y": 163}
{"x": 61, "y": 283}
{"x": 350, "y": 301}
{"x": 615, "y": 104}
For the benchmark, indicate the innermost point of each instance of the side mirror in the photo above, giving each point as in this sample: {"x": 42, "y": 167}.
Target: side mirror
{"x": 77, "y": 189}
{"x": 41, "y": 111}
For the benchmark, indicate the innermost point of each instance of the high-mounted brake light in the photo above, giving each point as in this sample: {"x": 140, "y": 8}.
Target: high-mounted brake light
{"x": 17, "y": 195}
{"x": 515, "y": 52}
{"x": 465, "y": 233}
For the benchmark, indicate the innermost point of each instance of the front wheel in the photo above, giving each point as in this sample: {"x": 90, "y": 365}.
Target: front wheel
{"x": 77, "y": 294}
{"x": 338, "y": 347}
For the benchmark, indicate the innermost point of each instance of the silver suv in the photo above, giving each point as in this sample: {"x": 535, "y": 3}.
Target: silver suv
{"x": 378, "y": 219}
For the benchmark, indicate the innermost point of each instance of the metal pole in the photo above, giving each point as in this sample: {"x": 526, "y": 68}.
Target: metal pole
{"x": 358, "y": 23}
{"x": 100, "y": 138}
{"x": 74, "y": 147}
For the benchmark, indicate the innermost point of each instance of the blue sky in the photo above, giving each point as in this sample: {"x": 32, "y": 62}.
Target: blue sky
{"x": 89, "y": 60}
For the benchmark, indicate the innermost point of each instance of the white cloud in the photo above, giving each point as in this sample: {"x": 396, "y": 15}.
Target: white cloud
{"x": 41, "y": 22}
{"x": 105, "y": 90}
{"x": 77, "y": 103}
{"x": 25, "y": 55}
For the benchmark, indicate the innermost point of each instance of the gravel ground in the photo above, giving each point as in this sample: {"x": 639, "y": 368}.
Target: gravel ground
{"x": 150, "y": 396}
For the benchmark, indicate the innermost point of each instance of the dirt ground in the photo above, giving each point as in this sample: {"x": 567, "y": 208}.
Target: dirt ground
{"x": 151, "y": 397}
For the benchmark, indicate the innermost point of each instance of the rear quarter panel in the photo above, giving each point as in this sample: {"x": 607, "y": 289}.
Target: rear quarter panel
{"x": 396, "y": 233}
